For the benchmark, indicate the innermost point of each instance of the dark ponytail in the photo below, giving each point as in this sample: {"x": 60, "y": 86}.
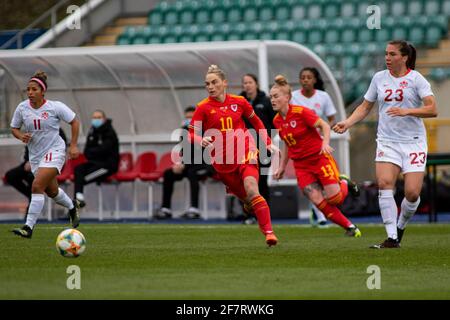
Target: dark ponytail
{"x": 319, "y": 85}
{"x": 406, "y": 49}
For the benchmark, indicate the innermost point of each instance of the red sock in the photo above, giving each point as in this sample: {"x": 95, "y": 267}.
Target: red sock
{"x": 262, "y": 212}
{"x": 334, "y": 214}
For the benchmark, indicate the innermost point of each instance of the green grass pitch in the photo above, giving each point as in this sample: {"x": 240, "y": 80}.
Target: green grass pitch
{"x": 205, "y": 261}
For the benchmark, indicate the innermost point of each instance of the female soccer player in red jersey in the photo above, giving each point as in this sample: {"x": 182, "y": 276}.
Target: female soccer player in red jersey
{"x": 316, "y": 170}
{"x": 218, "y": 124}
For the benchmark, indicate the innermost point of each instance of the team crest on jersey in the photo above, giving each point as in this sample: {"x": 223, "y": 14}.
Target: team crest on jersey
{"x": 380, "y": 154}
{"x": 403, "y": 84}
{"x": 293, "y": 123}
{"x": 44, "y": 115}
{"x": 234, "y": 107}
{"x": 317, "y": 105}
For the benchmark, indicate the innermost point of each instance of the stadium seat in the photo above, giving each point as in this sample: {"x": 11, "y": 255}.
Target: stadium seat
{"x": 415, "y": 8}
{"x": 398, "y": 8}
{"x": 299, "y": 36}
{"x": 155, "y": 18}
{"x": 314, "y": 10}
{"x": 250, "y": 14}
{"x": 266, "y": 13}
{"x": 298, "y": 12}
{"x": 330, "y": 8}
{"x": 433, "y": 35}
{"x": 171, "y": 17}
{"x": 400, "y": 33}
{"x": 67, "y": 172}
{"x": 382, "y": 35}
{"x": 234, "y": 15}
{"x": 125, "y": 173}
{"x": 348, "y": 9}
{"x": 348, "y": 35}
{"x": 332, "y": 35}
{"x": 432, "y": 7}
{"x": 218, "y": 16}
{"x": 187, "y": 17}
{"x": 445, "y": 9}
{"x": 201, "y": 16}
{"x": 151, "y": 173}
{"x": 282, "y": 13}
{"x": 365, "y": 35}
{"x": 417, "y": 36}
{"x": 122, "y": 40}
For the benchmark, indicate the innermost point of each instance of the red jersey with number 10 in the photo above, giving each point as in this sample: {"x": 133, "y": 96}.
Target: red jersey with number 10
{"x": 298, "y": 130}
{"x": 227, "y": 118}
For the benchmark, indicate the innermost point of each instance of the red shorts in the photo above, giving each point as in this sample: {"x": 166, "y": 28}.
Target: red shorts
{"x": 234, "y": 180}
{"x": 321, "y": 168}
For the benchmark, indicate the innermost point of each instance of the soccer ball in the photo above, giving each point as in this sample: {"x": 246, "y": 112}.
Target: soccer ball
{"x": 70, "y": 243}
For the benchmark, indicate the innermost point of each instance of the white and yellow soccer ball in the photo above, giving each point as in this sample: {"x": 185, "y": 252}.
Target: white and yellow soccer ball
{"x": 70, "y": 243}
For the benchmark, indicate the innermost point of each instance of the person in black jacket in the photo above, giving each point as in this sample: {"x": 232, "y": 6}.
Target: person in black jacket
{"x": 263, "y": 109}
{"x": 102, "y": 154}
{"x": 21, "y": 177}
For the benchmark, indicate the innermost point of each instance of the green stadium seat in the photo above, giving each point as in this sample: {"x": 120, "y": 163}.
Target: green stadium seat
{"x": 432, "y": 7}
{"x": 438, "y": 74}
{"x": 365, "y": 35}
{"x": 154, "y": 39}
{"x": 186, "y": 38}
{"x": 234, "y": 15}
{"x": 299, "y": 36}
{"x": 282, "y": 13}
{"x": 122, "y": 40}
{"x": 330, "y": 8}
{"x": 364, "y": 5}
{"x": 315, "y": 36}
{"x": 400, "y": 33}
{"x": 171, "y": 17}
{"x": 417, "y": 36}
{"x": 335, "y": 49}
{"x": 218, "y": 37}
{"x": 298, "y": 12}
{"x": 398, "y": 8}
{"x": 433, "y": 36}
{"x": 282, "y": 35}
{"x": 219, "y": 15}
{"x": 348, "y": 35}
{"x": 266, "y": 13}
{"x": 441, "y": 21}
{"x": 202, "y": 16}
{"x": 314, "y": 11}
{"x": 445, "y": 9}
{"x": 331, "y": 62}
{"x": 348, "y": 9}
{"x": 170, "y": 38}
{"x": 349, "y": 62}
{"x": 332, "y": 35}
{"x": 187, "y": 17}
{"x": 415, "y": 8}
{"x": 383, "y": 34}
{"x": 155, "y": 18}
{"x": 250, "y": 14}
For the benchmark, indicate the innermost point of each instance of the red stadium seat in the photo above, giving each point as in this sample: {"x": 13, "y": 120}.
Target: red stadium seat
{"x": 151, "y": 172}
{"x": 67, "y": 172}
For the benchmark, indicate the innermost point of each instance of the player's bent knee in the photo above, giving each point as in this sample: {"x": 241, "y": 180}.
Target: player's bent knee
{"x": 412, "y": 196}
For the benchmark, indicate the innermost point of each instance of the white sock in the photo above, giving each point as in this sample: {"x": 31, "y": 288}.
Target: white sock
{"x": 63, "y": 199}
{"x": 319, "y": 214}
{"x": 35, "y": 209}
{"x": 79, "y": 196}
{"x": 407, "y": 211}
{"x": 388, "y": 209}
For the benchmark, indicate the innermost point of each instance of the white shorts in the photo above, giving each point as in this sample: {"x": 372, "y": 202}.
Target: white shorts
{"x": 54, "y": 158}
{"x": 410, "y": 157}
